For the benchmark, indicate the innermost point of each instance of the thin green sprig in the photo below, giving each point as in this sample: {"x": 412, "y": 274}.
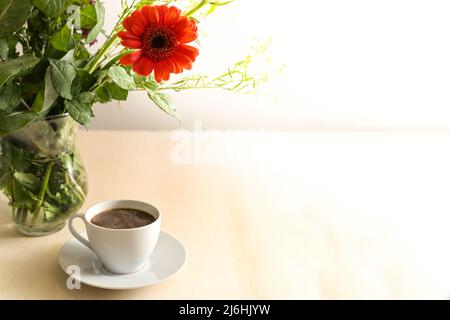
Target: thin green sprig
{"x": 112, "y": 37}
{"x": 238, "y": 78}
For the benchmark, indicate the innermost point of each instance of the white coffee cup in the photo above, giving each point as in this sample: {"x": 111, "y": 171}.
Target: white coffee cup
{"x": 121, "y": 251}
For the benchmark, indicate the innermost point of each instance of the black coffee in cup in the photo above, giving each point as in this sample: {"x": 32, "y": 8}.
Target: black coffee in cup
{"x": 122, "y": 219}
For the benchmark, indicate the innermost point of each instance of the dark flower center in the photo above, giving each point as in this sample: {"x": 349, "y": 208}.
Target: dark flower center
{"x": 159, "y": 43}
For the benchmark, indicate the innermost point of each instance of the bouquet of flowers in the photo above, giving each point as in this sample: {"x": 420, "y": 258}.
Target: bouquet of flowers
{"x": 50, "y": 79}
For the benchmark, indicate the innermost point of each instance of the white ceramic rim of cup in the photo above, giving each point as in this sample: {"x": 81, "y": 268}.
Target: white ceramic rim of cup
{"x": 121, "y": 204}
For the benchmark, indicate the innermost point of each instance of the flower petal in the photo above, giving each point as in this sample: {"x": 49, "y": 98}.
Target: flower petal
{"x": 137, "y": 29}
{"x": 158, "y": 75}
{"x": 127, "y": 24}
{"x": 150, "y": 14}
{"x": 143, "y": 66}
{"x": 193, "y": 25}
{"x": 187, "y": 37}
{"x": 167, "y": 68}
{"x": 183, "y": 61}
{"x": 190, "y": 51}
{"x": 162, "y": 12}
{"x": 132, "y": 44}
{"x": 169, "y": 65}
{"x": 127, "y": 35}
{"x": 162, "y": 71}
{"x": 172, "y": 16}
{"x": 131, "y": 58}
{"x": 176, "y": 67}
{"x": 134, "y": 26}
{"x": 139, "y": 18}
{"x": 181, "y": 25}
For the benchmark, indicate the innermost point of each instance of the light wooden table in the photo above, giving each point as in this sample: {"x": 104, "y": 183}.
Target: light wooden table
{"x": 287, "y": 215}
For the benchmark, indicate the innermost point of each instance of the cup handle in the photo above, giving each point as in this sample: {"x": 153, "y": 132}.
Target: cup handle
{"x": 75, "y": 233}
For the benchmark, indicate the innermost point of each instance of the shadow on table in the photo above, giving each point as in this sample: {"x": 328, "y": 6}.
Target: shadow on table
{"x": 92, "y": 293}
{"x": 7, "y": 227}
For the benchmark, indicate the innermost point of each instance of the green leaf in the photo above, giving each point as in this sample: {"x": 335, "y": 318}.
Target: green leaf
{"x": 28, "y": 180}
{"x": 51, "y": 211}
{"x": 63, "y": 73}
{"x": 13, "y": 15}
{"x": 10, "y": 95}
{"x": 31, "y": 87}
{"x": 111, "y": 91}
{"x": 74, "y": 13}
{"x": 50, "y": 93}
{"x": 101, "y": 75}
{"x": 116, "y": 92}
{"x": 164, "y": 102}
{"x": 23, "y": 198}
{"x": 38, "y": 101}
{"x": 76, "y": 86}
{"x": 16, "y": 157}
{"x": 69, "y": 56}
{"x": 11, "y": 122}
{"x": 103, "y": 95}
{"x": 121, "y": 77}
{"x": 4, "y": 49}
{"x": 50, "y": 7}
{"x": 82, "y": 55}
{"x": 88, "y": 18}
{"x": 100, "y": 13}
{"x": 16, "y": 67}
{"x": 80, "y": 108}
{"x": 85, "y": 79}
{"x": 61, "y": 39}
{"x": 86, "y": 97}
{"x": 149, "y": 82}
{"x": 4, "y": 182}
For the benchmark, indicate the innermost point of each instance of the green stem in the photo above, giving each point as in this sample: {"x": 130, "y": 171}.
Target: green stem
{"x": 100, "y": 54}
{"x": 91, "y": 66}
{"x": 13, "y": 197}
{"x": 117, "y": 57}
{"x": 25, "y": 103}
{"x": 196, "y": 8}
{"x": 111, "y": 62}
{"x": 41, "y": 195}
{"x": 17, "y": 219}
{"x": 23, "y": 217}
{"x": 175, "y": 88}
{"x": 13, "y": 209}
{"x": 78, "y": 191}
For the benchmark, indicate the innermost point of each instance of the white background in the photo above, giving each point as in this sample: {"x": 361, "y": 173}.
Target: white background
{"x": 350, "y": 64}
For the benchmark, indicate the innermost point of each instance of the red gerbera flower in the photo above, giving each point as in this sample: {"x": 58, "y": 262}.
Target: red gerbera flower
{"x": 161, "y": 34}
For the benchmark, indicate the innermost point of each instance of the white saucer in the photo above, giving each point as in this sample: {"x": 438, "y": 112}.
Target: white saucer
{"x": 167, "y": 259}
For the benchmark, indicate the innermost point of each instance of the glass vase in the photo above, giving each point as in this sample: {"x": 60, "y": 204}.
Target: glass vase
{"x": 42, "y": 175}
